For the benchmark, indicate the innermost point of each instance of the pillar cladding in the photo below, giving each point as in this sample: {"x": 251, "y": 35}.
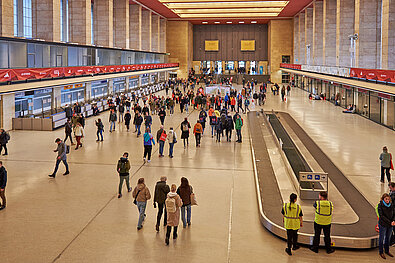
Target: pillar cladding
{"x": 344, "y": 27}
{"x": 135, "y": 26}
{"x": 318, "y": 34}
{"x": 80, "y": 22}
{"x": 46, "y": 20}
{"x": 8, "y": 106}
{"x": 121, "y": 24}
{"x": 296, "y": 39}
{"x": 103, "y": 23}
{"x": 369, "y": 42}
{"x": 329, "y": 32}
{"x": 302, "y": 43}
{"x": 6, "y": 18}
{"x": 308, "y": 34}
{"x": 155, "y": 39}
{"x": 162, "y": 35}
{"x": 388, "y": 31}
{"x": 146, "y": 30}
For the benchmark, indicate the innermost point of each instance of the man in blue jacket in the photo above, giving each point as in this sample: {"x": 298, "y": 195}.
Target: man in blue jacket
{"x": 3, "y": 183}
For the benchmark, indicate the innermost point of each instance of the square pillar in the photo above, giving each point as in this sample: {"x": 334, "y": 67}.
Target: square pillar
{"x": 162, "y": 32}
{"x": 46, "y": 22}
{"x": 329, "y": 32}
{"x": 146, "y": 29}
{"x": 8, "y": 110}
{"x": 103, "y": 23}
{"x": 88, "y": 91}
{"x": 135, "y": 13}
{"x": 6, "y": 18}
{"x": 56, "y": 97}
{"x": 345, "y": 16}
{"x": 308, "y": 34}
{"x": 121, "y": 24}
{"x": 296, "y": 40}
{"x": 302, "y": 43}
{"x": 155, "y": 29}
{"x": 318, "y": 36}
{"x": 80, "y": 22}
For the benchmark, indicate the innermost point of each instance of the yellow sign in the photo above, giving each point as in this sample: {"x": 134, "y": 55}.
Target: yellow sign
{"x": 211, "y": 45}
{"x": 248, "y": 45}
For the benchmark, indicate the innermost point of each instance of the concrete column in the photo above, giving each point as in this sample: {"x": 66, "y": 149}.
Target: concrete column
{"x": 296, "y": 40}
{"x": 344, "y": 27}
{"x": 146, "y": 30}
{"x": 88, "y": 91}
{"x": 318, "y": 35}
{"x": 162, "y": 32}
{"x": 368, "y": 27}
{"x": 56, "y": 97}
{"x": 46, "y": 22}
{"x": 308, "y": 34}
{"x": 110, "y": 87}
{"x": 302, "y": 43}
{"x": 8, "y": 109}
{"x": 329, "y": 32}
{"x": 135, "y": 26}
{"x": 388, "y": 35}
{"x": 6, "y": 18}
{"x": 121, "y": 24}
{"x": 80, "y": 21}
{"x": 103, "y": 23}
{"x": 155, "y": 29}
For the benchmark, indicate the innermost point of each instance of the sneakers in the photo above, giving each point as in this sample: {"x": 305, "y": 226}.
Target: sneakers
{"x": 157, "y": 228}
{"x": 315, "y": 250}
{"x": 120, "y": 195}
{"x": 330, "y": 251}
{"x": 389, "y": 254}
{"x": 139, "y": 227}
{"x": 66, "y": 173}
{"x": 130, "y": 189}
{"x": 52, "y": 175}
{"x": 144, "y": 159}
{"x": 2, "y": 207}
{"x": 288, "y": 251}
{"x": 149, "y": 161}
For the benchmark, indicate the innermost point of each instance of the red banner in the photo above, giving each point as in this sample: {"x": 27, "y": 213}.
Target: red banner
{"x": 291, "y": 66}
{"x": 60, "y": 72}
{"x": 373, "y": 74}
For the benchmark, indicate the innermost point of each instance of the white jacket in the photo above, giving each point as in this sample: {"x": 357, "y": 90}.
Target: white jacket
{"x": 79, "y": 131}
{"x": 171, "y": 136}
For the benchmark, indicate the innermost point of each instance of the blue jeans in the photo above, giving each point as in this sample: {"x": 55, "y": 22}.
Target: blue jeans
{"x": 186, "y": 107}
{"x": 384, "y": 238}
{"x": 171, "y": 145}
{"x": 112, "y": 125}
{"x": 138, "y": 129}
{"x": 141, "y": 207}
{"x": 99, "y": 132}
{"x": 212, "y": 130}
{"x": 57, "y": 165}
{"x": 188, "y": 220}
{"x": 161, "y": 146}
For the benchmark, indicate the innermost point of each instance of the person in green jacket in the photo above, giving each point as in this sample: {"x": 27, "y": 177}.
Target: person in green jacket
{"x": 238, "y": 125}
{"x": 123, "y": 168}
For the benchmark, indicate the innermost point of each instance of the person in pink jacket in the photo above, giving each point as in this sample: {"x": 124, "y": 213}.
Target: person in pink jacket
{"x": 173, "y": 204}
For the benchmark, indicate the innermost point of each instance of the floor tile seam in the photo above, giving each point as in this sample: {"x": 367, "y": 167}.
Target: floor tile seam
{"x": 199, "y": 168}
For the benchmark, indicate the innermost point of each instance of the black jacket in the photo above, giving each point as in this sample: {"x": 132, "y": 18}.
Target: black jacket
{"x": 68, "y": 128}
{"x": 3, "y": 177}
{"x": 161, "y": 191}
{"x": 386, "y": 214}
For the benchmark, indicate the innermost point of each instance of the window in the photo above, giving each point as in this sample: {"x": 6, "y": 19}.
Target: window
{"x": 92, "y": 31}
{"x": 230, "y": 65}
{"x": 64, "y": 20}
{"x": 285, "y": 78}
{"x": 16, "y": 18}
{"x": 27, "y": 19}
{"x": 286, "y": 59}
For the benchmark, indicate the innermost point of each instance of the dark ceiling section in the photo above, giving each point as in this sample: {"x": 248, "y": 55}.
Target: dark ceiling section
{"x": 230, "y": 37}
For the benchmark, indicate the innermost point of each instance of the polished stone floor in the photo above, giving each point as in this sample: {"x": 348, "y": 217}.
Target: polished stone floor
{"x": 78, "y": 218}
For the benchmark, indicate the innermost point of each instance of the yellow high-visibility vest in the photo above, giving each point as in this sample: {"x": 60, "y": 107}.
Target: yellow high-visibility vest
{"x": 323, "y": 212}
{"x": 291, "y": 216}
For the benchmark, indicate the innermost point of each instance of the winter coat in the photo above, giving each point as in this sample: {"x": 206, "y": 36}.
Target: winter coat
{"x": 113, "y": 117}
{"x": 128, "y": 117}
{"x": 161, "y": 191}
{"x": 144, "y": 194}
{"x": 185, "y": 134}
{"x": 386, "y": 214}
{"x": 197, "y": 128}
{"x": 68, "y": 128}
{"x": 3, "y": 177}
{"x": 185, "y": 194}
{"x": 171, "y": 137}
{"x": 173, "y": 219}
{"x": 148, "y": 139}
{"x": 79, "y": 131}
{"x": 123, "y": 166}
{"x": 239, "y": 124}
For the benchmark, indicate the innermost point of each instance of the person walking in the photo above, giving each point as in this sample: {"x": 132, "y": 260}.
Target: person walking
{"x": 283, "y": 93}
{"x": 127, "y": 119}
{"x": 147, "y": 120}
{"x": 213, "y": 123}
{"x": 161, "y": 138}
{"x": 172, "y": 138}
{"x": 162, "y": 115}
{"x": 62, "y": 157}
{"x": 141, "y": 195}
{"x": 161, "y": 191}
{"x": 184, "y": 191}
{"x": 121, "y": 111}
{"x": 173, "y": 204}
{"x": 148, "y": 141}
{"x": 197, "y": 130}
{"x": 219, "y": 129}
{"x": 322, "y": 221}
{"x": 79, "y": 134}
{"x": 4, "y": 138}
{"x": 293, "y": 220}
{"x": 3, "y": 184}
{"x": 386, "y": 222}
{"x": 100, "y": 129}
{"x": 229, "y": 127}
{"x": 185, "y": 126}
{"x": 138, "y": 120}
{"x": 386, "y": 161}
{"x": 123, "y": 168}
{"x": 247, "y": 104}
{"x": 238, "y": 126}
{"x": 68, "y": 129}
{"x": 112, "y": 119}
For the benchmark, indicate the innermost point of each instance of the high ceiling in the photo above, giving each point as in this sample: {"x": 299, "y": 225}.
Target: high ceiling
{"x": 225, "y": 11}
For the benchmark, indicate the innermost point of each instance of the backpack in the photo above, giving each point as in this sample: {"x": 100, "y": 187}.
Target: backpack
{"x": 7, "y": 136}
{"x": 171, "y": 205}
{"x": 185, "y": 127}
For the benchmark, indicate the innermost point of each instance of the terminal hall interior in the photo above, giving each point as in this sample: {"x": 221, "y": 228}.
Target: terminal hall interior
{"x": 197, "y": 130}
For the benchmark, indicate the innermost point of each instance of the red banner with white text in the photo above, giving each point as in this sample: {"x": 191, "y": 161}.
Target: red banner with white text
{"x": 373, "y": 74}
{"x": 61, "y": 72}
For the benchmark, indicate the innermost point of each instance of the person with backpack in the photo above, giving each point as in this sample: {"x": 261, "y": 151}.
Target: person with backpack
{"x": 79, "y": 134}
{"x": 185, "y": 126}
{"x": 112, "y": 119}
{"x": 4, "y": 138}
{"x": 238, "y": 125}
{"x": 148, "y": 141}
{"x": 141, "y": 195}
{"x": 161, "y": 138}
{"x": 213, "y": 123}
{"x": 68, "y": 129}
{"x": 184, "y": 191}
{"x": 3, "y": 184}
{"x": 173, "y": 203}
{"x": 218, "y": 129}
{"x": 386, "y": 164}
{"x": 293, "y": 220}
{"x": 121, "y": 110}
{"x": 147, "y": 120}
{"x": 162, "y": 115}
{"x": 138, "y": 120}
{"x": 172, "y": 138}
{"x": 127, "y": 118}
{"x": 100, "y": 129}
{"x": 247, "y": 104}
{"x": 229, "y": 128}
{"x": 161, "y": 191}
{"x": 123, "y": 168}
{"x": 62, "y": 157}
{"x": 202, "y": 119}
{"x": 197, "y": 130}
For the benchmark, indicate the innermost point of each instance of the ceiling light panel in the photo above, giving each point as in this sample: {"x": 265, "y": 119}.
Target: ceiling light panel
{"x": 229, "y": 15}
{"x": 227, "y": 10}
{"x": 227, "y": 4}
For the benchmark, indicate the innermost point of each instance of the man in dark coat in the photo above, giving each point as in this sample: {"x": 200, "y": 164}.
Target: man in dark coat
{"x": 161, "y": 191}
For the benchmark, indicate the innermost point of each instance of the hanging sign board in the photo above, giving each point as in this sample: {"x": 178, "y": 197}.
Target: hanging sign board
{"x": 211, "y": 45}
{"x": 247, "y": 45}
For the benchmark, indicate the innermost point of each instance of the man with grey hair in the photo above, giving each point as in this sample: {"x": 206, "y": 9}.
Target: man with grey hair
{"x": 161, "y": 191}
{"x": 386, "y": 159}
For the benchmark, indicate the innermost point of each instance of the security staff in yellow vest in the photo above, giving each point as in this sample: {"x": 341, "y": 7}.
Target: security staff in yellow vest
{"x": 293, "y": 220}
{"x": 323, "y": 220}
